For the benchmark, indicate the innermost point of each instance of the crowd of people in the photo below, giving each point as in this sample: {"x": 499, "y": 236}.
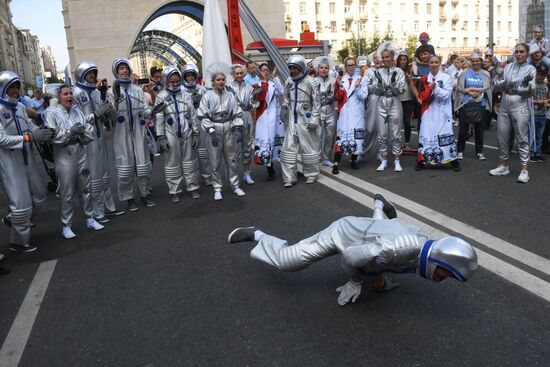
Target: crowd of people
{"x": 320, "y": 114}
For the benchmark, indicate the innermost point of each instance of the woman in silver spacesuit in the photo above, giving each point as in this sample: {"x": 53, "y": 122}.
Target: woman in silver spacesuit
{"x": 220, "y": 116}
{"x": 88, "y": 100}
{"x": 19, "y": 173}
{"x": 129, "y": 136}
{"x": 369, "y": 246}
{"x": 177, "y": 135}
{"x": 73, "y": 131}
{"x": 323, "y": 65}
{"x": 391, "y": 84}
{"x": 517, "y": 82}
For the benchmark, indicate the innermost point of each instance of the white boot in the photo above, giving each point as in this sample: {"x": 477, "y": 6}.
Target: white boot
{"x": 92, "y": 224}
{"x": 239, "y": 192}
{"x": 397, "y": 166}
{"x": 218, "y": 195}
{"x": 383, "y": 165}
{"x": 248, "y": 178}
{"x": 523, "y": 176}
{"x": 68, "y": 233}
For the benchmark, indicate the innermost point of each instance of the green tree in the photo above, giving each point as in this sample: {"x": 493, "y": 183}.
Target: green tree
{"x": 367, "y": 45}
{"x": 411, "y": 46}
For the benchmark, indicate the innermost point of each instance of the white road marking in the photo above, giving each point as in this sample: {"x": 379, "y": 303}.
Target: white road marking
{"x": 509, "y": 272}
{"x": 17, "y": 338}
{"x": 517, "y": 253}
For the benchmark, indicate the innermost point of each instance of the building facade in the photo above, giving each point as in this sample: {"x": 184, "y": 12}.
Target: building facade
{"x": 453, "y": 25}
{"x": 19, "y": 49}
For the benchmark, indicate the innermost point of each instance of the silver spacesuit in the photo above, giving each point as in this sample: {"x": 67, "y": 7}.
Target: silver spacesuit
{"x": 220, "y": 115}
{"x": 19, "y": 172}
{"x": 176, "y": 121}
{"x": 371, "y": 246}
{"x": 391, "y": 83}
{"x": 88, "y": 100}
{"x": 516, "y": 108}
{"x": 71, "y": 163}
{"x": 129, "y": 136}
{"x": 196, "y": 92}
{"x": 371, "y": 109}
{"x": 327, "y": 111}
{"x": 243, "y": 92}
{"x": 302, "y": 136}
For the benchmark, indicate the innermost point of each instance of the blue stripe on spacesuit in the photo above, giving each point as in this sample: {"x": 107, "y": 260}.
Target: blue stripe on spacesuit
{"x": 424, "y": 258}
{"x": 129, "y": 103}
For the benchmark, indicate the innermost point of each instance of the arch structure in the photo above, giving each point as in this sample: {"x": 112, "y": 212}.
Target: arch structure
{"x": 165, "y": 46}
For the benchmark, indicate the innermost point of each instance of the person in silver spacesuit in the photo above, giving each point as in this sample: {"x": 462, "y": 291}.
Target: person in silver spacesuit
{"x": 327, "y": 112}
{"x": 220, "y": 116}
{"x": 129, "y": 136}
{"x": 19, "y": 173}
{"x": 369, "y": 246}
{"x": 371, "y": 109}
{"x": 88, "y": 100}
{"x": 517, "y": 82}
{"x": 73, "y": 131}
{"x": 390, "y": 84}
{"x": 302, "y": 136}
{"x": 245, "y": 95}
{"x": 177, "y": 135}
{"x": 190, "y": 73}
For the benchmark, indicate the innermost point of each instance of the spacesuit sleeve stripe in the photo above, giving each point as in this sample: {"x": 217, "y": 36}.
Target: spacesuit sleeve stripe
{"x": 449, "y": 267}
{"x": 424, "y": 258}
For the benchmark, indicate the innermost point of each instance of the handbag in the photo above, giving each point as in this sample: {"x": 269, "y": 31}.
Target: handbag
{"x": 472, "y": 112}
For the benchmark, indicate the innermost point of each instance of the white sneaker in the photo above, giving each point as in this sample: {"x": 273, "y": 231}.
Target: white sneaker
{"x": 92, "y": 224}
{"x": 327, "y": 163}
{"x": 68, "y": 233}
{"x": 500, "y": 171}
{"x": 239, "y": 192}
{"x": 460, "y": 156}
{"x": 247, "y": 178}
{"x": 218, "y": 195}
{"x": 397, "y": 166}
{"x": 480, "y": 156}
{"x": 523, "y": 176}
{"x": 382, "y": 166}
{"x": 1, "y": 256}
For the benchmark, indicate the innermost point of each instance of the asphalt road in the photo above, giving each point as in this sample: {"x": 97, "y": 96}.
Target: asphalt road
{"x": 161, "y": 287}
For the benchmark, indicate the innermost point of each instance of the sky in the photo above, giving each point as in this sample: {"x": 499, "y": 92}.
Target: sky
{"x": 44, "y": 19}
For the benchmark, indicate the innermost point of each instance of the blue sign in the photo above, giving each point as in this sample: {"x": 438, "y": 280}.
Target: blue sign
{"x": 40, "y": 81}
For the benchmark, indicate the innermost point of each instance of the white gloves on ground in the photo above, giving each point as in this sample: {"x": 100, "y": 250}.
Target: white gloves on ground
{"x": 349, "y": 292}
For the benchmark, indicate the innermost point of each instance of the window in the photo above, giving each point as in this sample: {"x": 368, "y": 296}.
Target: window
{"x": 333, "y": 26}
{"x": 429, "y": 24}
{"x": 347, "y": 9}
{"x": 303, "y": 24}
{"x": 499, "y": 26}
{"x": 453, "y": 41}
{"x": 403, "y": 8}
{"x": 453, "y": 26}
{"x": 317, "y": 8}
{"x": 465, "y": 26}
{"x": 509, "y": 26}
{"x": 319, "y": 27}
{"x": 376, "y": 26}
{"x": 348, "y": 26}
{"x": 331, "y": 7}
{"x": 403, "y": 26}
{"x": 499, "y": 10}
{"x": 477, "y": 25}
{"x": 288, "y": 27}
{"x": 465, "y": 42}
{"x": 362, "y": 8}
{"x": 286, "y": 5}
{"x": 302, "y": 7}
{"x": 416, "y": 27}
{"x": 428, "y": 8}
{"x": 477, "y": 10}
{"x": 441, "y": 25}
{"x": 477, "y": 41}
{"x": 509, "y": 9}
{"x": 416, "y": 8}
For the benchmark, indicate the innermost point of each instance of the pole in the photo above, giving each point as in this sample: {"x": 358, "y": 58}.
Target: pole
{"x": 491, "y": 25}
{"x": 358, "y": 38}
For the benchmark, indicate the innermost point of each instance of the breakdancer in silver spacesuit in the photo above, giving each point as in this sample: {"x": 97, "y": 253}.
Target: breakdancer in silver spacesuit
{"x": 190, "y": 73}
{"x": 19, "y": 173}
{"x": 369, "y": 246}
{"x": 244, "y": 94}
{"x": 88, "y": 100}
{"x": 517, "y": 81}
{"x": 177, "y": 135}
{"x": 129, "y": 136}
{"x": 220, "y": 116}
{"x": 391, "y": 84}
{"x": 327, "y": 112}
{"x": 302, "y": 97}
{"x": 73, "y": 131}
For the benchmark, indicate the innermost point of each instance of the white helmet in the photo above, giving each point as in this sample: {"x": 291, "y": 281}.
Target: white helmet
{"x": 167, "y": 74}
{"x": 299, "y": 62}
{"x": 7, "y": 79}
{"x": 116, "y": 63}
{"x": 80, "y": 72}
{"x": 190, "y": 68}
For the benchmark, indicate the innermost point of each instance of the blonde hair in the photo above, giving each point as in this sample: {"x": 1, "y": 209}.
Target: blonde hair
{"x": 460, "y": 59}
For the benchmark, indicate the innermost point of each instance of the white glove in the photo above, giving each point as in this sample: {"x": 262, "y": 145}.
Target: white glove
{"x": 389, "y": 284}
{"x": 349, "y": 291}
{"x": 103, "y": 110}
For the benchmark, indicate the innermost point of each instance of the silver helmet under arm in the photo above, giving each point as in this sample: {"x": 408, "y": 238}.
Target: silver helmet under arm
{"x": 80, "y": 72}
{"x": 167, "y": 74}
{"x": 298, "y": 62}
{"x": 116, "y": 63}
{"x": 189, "y": 68}
{"x": 451, "y": 253}
{"x": 7, "y": 79}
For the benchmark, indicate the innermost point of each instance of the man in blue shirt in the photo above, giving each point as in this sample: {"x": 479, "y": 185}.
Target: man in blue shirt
{"x": 38, "y": 102}
{"x": 251, "y": 77}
